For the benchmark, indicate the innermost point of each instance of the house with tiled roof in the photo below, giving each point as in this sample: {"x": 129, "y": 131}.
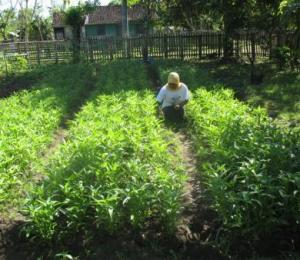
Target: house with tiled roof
{"x": 104, "y": 21}
{"x": 61, "y": 30}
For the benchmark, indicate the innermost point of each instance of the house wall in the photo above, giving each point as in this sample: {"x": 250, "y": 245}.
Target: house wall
{"x": 110, "y": 29}
{"x": 61, "y": 33}
{"x": 90, "y": 30}
{"x": 132, "y": 29}
{"x": 107, "y": 29}
{"x": 68, "y": 33}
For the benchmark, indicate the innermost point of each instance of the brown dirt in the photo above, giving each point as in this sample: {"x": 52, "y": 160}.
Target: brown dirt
{"x": 193, "y": 230}
{"x": 197, "y": 222}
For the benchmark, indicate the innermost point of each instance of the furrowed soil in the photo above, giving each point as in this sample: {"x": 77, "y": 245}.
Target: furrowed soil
{"x": 195, "y": 226}
{"x": 197, "y": 222}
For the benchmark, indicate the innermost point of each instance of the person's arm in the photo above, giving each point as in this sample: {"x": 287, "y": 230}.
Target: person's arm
{"x": 160, "y": 98}
{"x": 159, "y": 109}
{"x": 183, "y": 102}
{"x": 186, "y": 99}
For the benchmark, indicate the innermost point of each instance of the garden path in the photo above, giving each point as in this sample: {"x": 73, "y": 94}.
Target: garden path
{"x": 196, "y": 222}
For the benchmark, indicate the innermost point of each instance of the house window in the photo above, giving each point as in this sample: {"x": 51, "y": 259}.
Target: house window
{"x": 119, "y": 29}
{"x": 139, "y": 29}
{"x": 101, "y": 30}
{"x": 59, "y": 33}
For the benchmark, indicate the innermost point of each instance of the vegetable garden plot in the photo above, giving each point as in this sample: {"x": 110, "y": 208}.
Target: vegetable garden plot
{"x": 28, "y": 121}
{"x": 252, "y": 169}
{"x": 115, "y": 171}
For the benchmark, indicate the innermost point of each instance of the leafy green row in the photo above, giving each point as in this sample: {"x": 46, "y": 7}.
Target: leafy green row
{"x": 28, "y": 121}
{"x": 115, "y": 171}
{"x": 11, "y": 66}
{"x": 252, "y": 168}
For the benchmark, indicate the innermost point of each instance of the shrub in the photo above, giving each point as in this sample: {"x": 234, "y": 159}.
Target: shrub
{"x": 13, "y": 66}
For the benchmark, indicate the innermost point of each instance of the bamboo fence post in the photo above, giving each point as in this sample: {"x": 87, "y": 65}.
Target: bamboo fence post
{"x": 181, "y": 47}
{"x": 56, "y": 54}
{"x": 220, "y": 44}
{"x": 5, "y": 61}
{"x": 200, "y": 46}
{"x": 165, "y": 46}
{"x": 253, "y": 54}
{"x": 38, "y": 53}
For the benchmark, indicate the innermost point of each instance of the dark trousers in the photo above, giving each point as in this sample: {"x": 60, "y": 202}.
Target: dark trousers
{"x": 172, "y": 114}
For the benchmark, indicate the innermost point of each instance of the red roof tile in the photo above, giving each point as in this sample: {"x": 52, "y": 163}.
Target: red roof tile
{"x": 112, "y": 14}
{"x": 105, "y": 15}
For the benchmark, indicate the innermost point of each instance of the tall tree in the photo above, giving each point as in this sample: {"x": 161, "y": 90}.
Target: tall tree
{"x": 6, "y": 18}
{"x": 290, "y": 14}
{"x": 188, "y": 14}
{"x": 150, "y": 6}
{"x": 74, "y": 16}
{"x": 26, "y": 15}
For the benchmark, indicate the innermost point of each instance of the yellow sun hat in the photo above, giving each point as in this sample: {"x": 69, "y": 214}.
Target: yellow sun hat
{"x": 173, "y": 78}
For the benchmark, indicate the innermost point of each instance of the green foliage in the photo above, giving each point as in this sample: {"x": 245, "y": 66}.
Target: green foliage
{"x": 41, "y": 29}
{"x": 115, "y": 2}
{"x": 28, "y": 121}
{"x": 252, "y": 168}
{"x": 282, "y": 56}
{"x": 114, "y": 171}
{"x": 6, "y": 22}
{"x": 74, "y": 15}
{"x": 12, "y": 66}
{"x": 20, "y": 143}
{"x": 286, "y": 57}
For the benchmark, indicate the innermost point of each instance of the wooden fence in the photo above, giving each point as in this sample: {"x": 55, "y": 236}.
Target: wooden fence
{"x": 196, "y": 45}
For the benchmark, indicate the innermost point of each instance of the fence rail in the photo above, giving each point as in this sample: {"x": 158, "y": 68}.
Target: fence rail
{"x": 197, "y": 45}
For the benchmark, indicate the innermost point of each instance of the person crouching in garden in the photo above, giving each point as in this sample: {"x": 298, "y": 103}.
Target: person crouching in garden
{"x": 172, "y": 97}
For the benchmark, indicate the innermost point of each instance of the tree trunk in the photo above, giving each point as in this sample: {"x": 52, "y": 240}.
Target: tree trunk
{"x": 26, "y": 22}
{"x": 76, "y": 44}
{"x": 125, "y": 31}
{"x": 228, "y": 32}
{"x": 147, "y": 29}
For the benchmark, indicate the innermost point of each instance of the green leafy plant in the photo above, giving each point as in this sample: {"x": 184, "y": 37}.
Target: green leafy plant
{"x": 12, "y": 66}
{"x": 115, "y": 171}
{"x": 28, "y": 121}
{"x": 252, "y": 168}
{"x": 282, "y": 56}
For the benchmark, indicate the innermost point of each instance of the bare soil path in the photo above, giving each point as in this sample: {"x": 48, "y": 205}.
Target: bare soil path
{"x": 196, "y": 223}
{"x": 193, "y": 229}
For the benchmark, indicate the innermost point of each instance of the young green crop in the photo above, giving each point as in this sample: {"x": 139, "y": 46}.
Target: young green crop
{"x": 13, "y": 65}
{"x": 115, "y": 171}
{"x": 252, "y": 167}
{"x": 28, "y": 121}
